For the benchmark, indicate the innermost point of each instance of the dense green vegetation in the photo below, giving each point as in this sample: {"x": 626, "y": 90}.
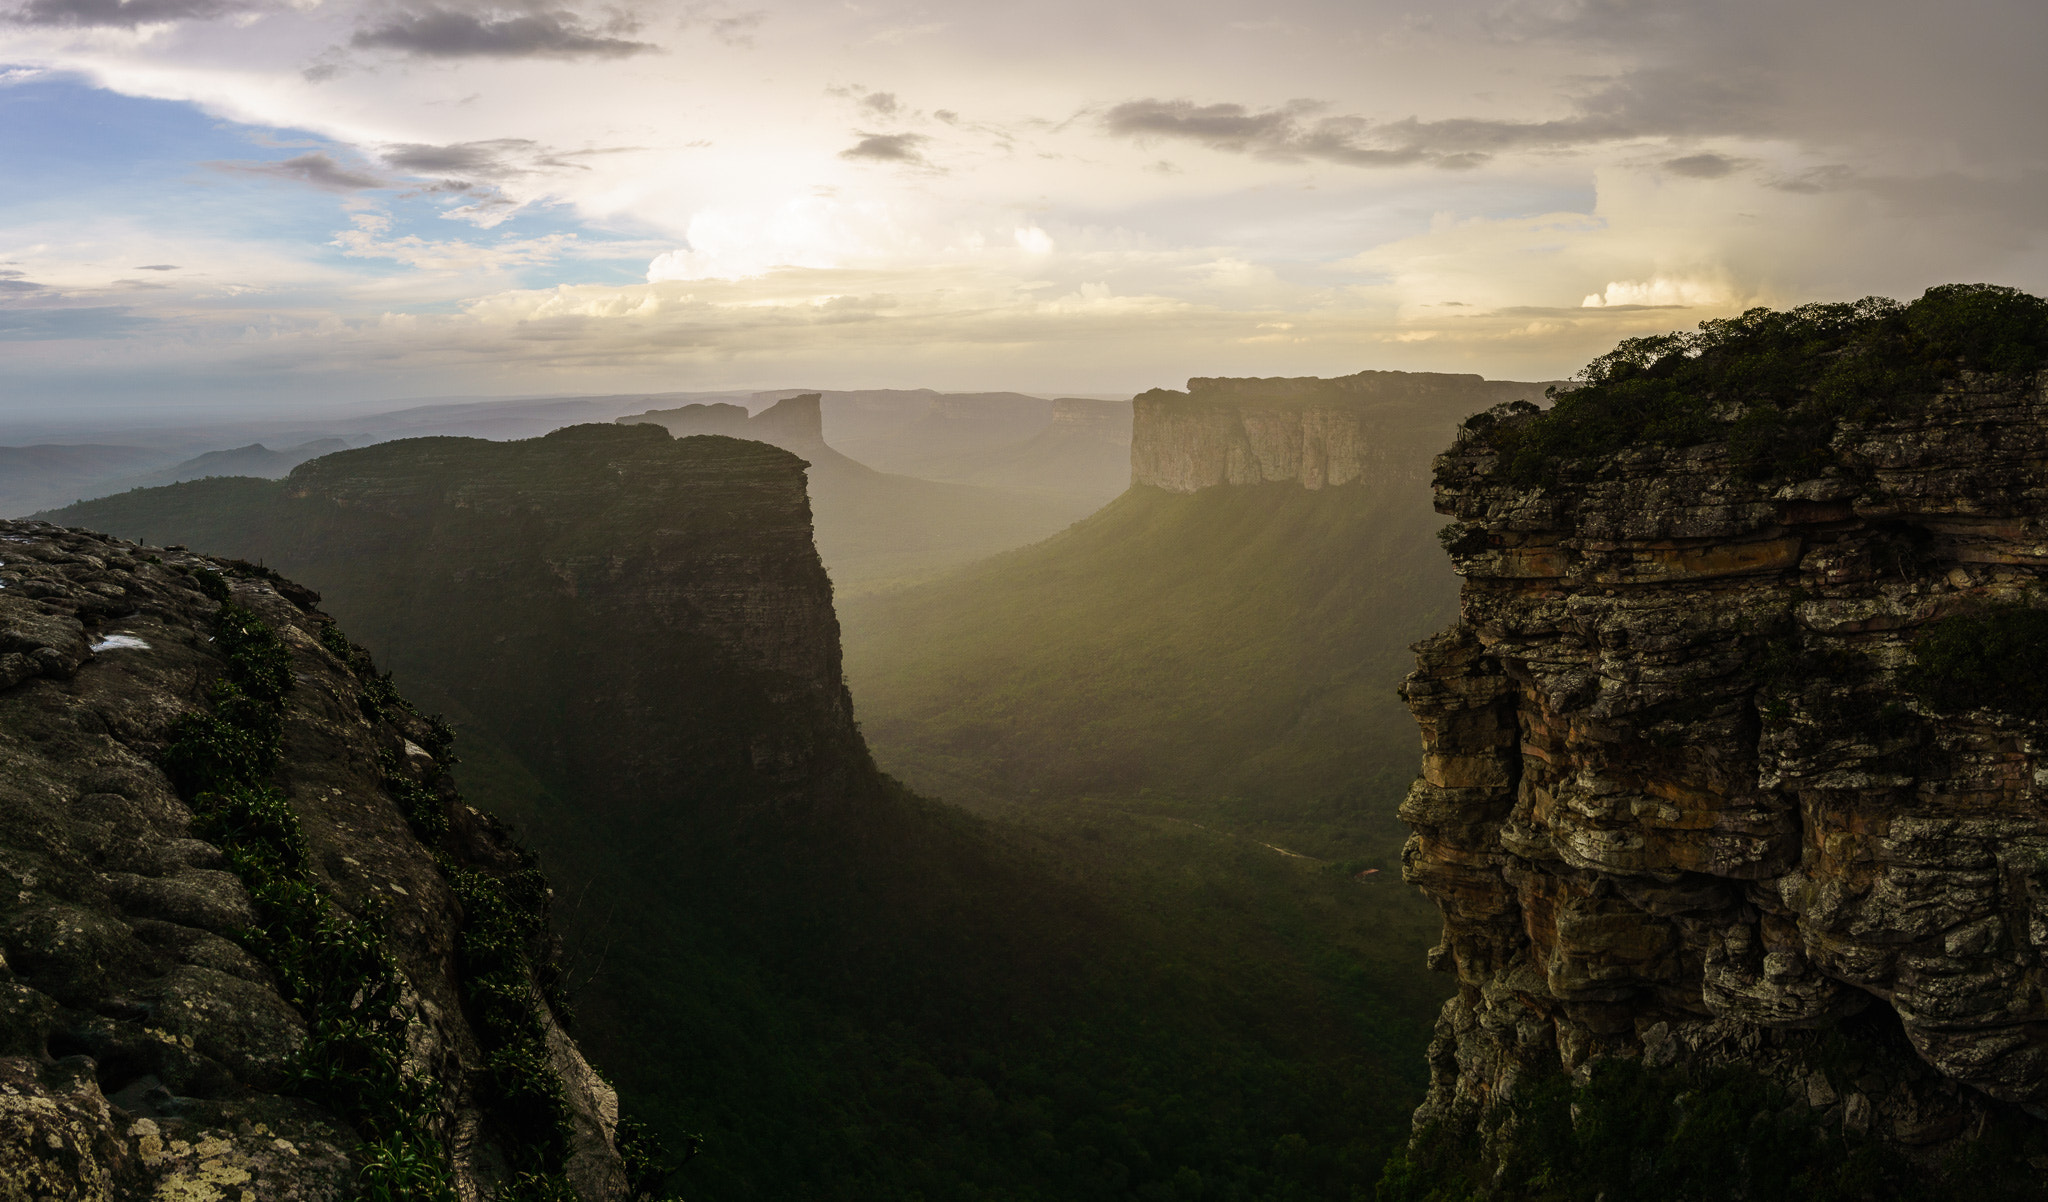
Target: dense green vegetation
{"x": 1995, "y": 660}
{"x": 331, "y": 965}
{"x": 908, "y": 1002}
{"x": 1228, "y": 657}
{"x": 1777, "y": 383}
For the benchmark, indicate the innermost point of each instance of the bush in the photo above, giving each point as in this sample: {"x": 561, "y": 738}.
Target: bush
{"x": 1777, "y": 384}
{"x": 1996, "y": 660}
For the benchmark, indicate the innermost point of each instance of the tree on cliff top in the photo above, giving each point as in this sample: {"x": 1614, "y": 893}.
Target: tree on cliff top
{"x": 1776, "y": 383}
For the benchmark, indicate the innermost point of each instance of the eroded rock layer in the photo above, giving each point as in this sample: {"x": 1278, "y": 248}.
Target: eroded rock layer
{"x": 148, "y": 1043}
{"x": 1684, "y": 795}
{"x": 1377, "y": 425}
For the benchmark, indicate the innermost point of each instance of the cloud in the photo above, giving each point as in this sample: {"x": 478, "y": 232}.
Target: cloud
{"x": 368, "y": 240}
{"x": 124, "y": 14}
{"x": 889, "y": 148}
{"x": 737, "y": 31}
{"x": 158, "y": 267}
{"x": 485, "y": 159}
{"x": 444, "y": 33}
{"x": 1641, "y": 105}
{"x": 50, "y": 325}
{"x": 318, "y": 169}
{"x": 881, "y": 104}
{"x": 1702, "y": 166}
{"x": 1661, "y": 292}
{"x": 1287, "y": 132}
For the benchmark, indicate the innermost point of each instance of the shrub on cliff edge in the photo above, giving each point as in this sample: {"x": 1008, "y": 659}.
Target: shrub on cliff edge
{"x": 1774, "y": 383}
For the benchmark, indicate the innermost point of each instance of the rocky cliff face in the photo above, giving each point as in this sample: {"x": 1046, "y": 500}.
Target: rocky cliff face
{"x": 1701, "y": 786}
{"x": 1378, "y": 425}
{"x": 242, "y": 908}
{"x": 1102, "y": 421}
{"x": 640, "y": 616}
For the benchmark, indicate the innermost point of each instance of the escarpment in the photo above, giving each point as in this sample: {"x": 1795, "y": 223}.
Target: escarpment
{"x": 1726, "y": 765}
{"x": 640, "y": 617}
{"x": 256, "y": 945}
{"x": 1375, "y": 425}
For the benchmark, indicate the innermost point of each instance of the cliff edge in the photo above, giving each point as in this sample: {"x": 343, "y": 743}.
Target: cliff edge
{"x": 256, "y": 946}
{"x": 1737, "y": 758}
{"x": 1319, "y": 432}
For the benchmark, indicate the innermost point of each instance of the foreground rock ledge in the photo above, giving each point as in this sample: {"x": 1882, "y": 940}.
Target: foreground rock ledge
{"x": 144, "y": 1052}
{"x": 1677, "y": 803}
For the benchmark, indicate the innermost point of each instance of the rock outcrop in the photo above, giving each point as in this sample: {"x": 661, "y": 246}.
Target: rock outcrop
{"x": 1692, "y": 790}
{"x": 261, "y": 992}
{"x": 1379, "y": 425}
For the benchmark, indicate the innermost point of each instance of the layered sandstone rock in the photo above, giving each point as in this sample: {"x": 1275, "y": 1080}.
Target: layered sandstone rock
{"x": 1377, "y": 425}
{"x": 147, "y": 1044}
{"x": 1678, "y": 800}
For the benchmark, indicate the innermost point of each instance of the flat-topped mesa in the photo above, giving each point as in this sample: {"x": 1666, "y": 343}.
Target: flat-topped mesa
{"x": 1319, "y": 433}
{"x": 643, "y": 616}
{"x": 1723, "y": 762}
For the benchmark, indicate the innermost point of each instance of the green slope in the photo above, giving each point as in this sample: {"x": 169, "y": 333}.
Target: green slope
{"x": 884, "y": 997}
{"x": 1231, "y": 652}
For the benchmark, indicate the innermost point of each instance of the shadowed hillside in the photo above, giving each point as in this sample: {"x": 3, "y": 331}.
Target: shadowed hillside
{"x": 1221, "y": 642}
{"x": 847, "y": 990}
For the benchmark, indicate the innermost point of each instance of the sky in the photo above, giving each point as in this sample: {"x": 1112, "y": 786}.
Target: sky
{"x": 284, "y": 204}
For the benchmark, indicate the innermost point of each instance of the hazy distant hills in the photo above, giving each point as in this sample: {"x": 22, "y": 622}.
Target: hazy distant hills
{"x": 876, "y": 529}
{"x": 904, "y": 429}
{"x": 1231, "y": 645}
{"x": 47, "y": 475}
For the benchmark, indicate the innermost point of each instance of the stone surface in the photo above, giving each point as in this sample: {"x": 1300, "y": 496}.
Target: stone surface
{"x": 143, "y": 1052}
{"x": 1677, "y": 802}
{"x": 1376, "y": 424}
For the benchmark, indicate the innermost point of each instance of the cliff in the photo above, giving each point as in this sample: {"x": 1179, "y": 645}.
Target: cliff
{"x": 1379, "y": 425}
{"x": 1731, "y": 762}
{"x": 479, "y": 567}
{"x": 255, "y": 943}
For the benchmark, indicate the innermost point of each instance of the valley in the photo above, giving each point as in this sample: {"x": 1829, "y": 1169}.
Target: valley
{"x": 825, "y": 976}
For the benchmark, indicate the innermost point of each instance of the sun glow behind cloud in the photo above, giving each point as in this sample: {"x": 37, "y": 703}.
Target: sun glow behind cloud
{"x": 414, "y": 196}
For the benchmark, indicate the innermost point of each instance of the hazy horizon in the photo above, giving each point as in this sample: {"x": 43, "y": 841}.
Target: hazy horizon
{"x": 250, "y": 204}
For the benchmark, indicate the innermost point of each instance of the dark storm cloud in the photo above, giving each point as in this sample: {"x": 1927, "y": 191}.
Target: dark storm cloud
{"x": 497, "y": 157}
{"x": 123, "y": 14}
{"x": 1648, "y": 105}
{"x": 318, "y": 169}
{"x": 446, "y": 33}
{"x": 888, "y": 148}
{"x": 1702, "y": 166}
{"x": 48, "y": 325}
